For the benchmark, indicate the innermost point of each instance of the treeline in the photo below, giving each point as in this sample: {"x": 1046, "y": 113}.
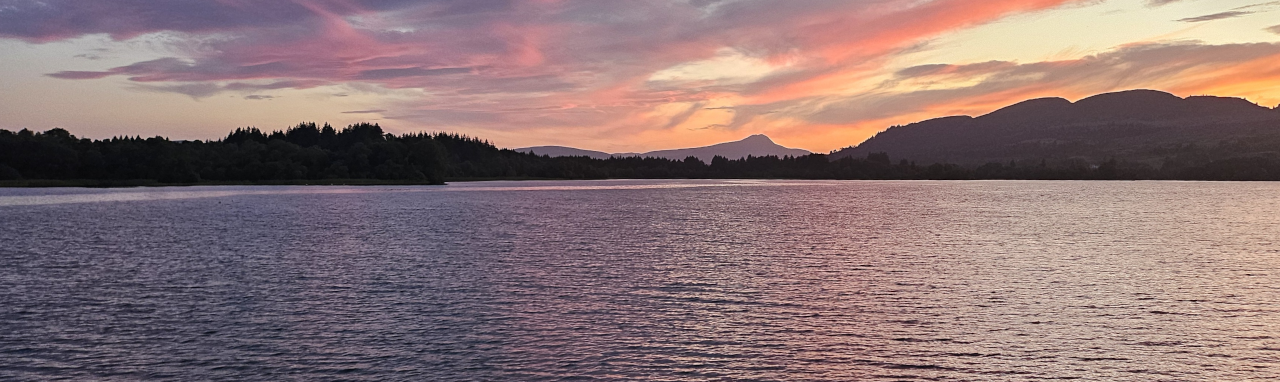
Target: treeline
{"x": 364, "y": 153}
{"x": 303, "y": 152}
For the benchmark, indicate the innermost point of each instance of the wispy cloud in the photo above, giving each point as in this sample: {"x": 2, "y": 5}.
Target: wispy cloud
{"x": 1266, "y": 5}
{"x": 89, "y": 56}
{"x": 194, "y": 90}
{"x": 200, "y": 90}
{"x": 1215, "y": 16}
{"x": 993, "y": 84}
{"x": 503, "y": 52}
{"x": 387, "y": 74}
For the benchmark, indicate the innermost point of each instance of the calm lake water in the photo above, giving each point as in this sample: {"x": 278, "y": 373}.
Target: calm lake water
{"x": 644, "y": 280}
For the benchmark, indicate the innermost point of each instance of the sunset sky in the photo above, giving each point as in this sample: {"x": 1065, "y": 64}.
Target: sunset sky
{"x": 624, "y": 75}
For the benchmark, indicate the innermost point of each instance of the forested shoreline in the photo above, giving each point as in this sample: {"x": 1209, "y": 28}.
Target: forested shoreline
{"x": 364, "y": 154}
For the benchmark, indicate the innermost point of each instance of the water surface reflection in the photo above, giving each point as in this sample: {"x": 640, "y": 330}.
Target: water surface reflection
{"x": 644, "y": 280}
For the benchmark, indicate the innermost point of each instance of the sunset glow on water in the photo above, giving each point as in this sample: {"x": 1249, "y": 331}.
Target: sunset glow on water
{"x": 649, "y": 190}
{"x": 646, "y": 280}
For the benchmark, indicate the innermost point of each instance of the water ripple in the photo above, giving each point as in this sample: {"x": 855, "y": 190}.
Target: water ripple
{"x": 643, "y": 280}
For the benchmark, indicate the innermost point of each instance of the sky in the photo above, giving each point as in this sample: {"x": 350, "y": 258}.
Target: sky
{"x": 615, "y": 75}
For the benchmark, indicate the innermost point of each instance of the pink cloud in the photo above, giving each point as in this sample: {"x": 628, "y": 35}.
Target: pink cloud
{"x": 507, "y": 65}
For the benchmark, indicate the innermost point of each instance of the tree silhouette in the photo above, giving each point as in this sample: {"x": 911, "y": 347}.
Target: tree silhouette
{"x": 364, "y": 153}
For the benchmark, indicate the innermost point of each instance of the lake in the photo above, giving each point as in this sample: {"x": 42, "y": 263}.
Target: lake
{"x": 644, "y": 280}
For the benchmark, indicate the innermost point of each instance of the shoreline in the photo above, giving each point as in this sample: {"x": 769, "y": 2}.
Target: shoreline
{"x": 92, "y": 183}
{"x": 136, "y": 183}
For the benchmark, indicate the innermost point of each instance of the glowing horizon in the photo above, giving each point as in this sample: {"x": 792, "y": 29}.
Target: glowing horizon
{"x": 608, "y": 76}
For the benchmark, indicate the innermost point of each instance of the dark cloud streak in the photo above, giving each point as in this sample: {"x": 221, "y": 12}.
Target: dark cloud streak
{"x": 49, "y": 20}
{"x": 383, "y": 74}
{"x": 1215, "y": 16}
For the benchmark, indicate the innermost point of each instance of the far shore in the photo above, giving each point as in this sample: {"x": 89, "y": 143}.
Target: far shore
{"x": 92, "y": 183}
{"x": 98, "y": 183}
{"x": 95, "y": 183}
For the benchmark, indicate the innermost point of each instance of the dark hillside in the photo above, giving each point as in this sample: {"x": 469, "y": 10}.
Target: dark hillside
{"x": 1139, "y": 127}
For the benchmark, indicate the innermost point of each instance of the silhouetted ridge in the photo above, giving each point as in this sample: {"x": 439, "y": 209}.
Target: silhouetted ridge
{"x": 758, "y": 145}
{"x": 1221, "y": 106}
{"x": 1145, "y": 127}
{"x": 1132, "y": 104}
{"x": 1032, "y": 108}
{"x": 561, "y": 151}
{"x": 753, "y": 146}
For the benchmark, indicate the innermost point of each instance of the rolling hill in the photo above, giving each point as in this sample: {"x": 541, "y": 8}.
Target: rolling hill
{"x": 561, "y": 151}
{"x": 757, "y": 145}
{"x": 1138, "y": 126}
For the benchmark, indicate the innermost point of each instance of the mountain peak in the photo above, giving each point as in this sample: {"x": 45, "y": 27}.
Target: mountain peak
{"x": 561, "y": 151}
{"x": 1143, "y": 96}
{"x": 1032, "y": 108}
{"x": 754, "y": 145}
{"x": 757, "y": 138}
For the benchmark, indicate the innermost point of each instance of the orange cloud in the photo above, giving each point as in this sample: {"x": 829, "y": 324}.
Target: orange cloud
{"x": 566, "y": 71}
{"x": 842, "y": 44}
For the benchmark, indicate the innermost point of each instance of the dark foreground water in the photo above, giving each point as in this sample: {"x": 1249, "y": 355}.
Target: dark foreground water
{"x": 641, "y": 280}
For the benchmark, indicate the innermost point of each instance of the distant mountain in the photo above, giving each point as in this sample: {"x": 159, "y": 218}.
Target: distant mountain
{"x": 756, "y": 145}
{"x": 561, "y": 151}
{"x": 1142, "y": 126}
